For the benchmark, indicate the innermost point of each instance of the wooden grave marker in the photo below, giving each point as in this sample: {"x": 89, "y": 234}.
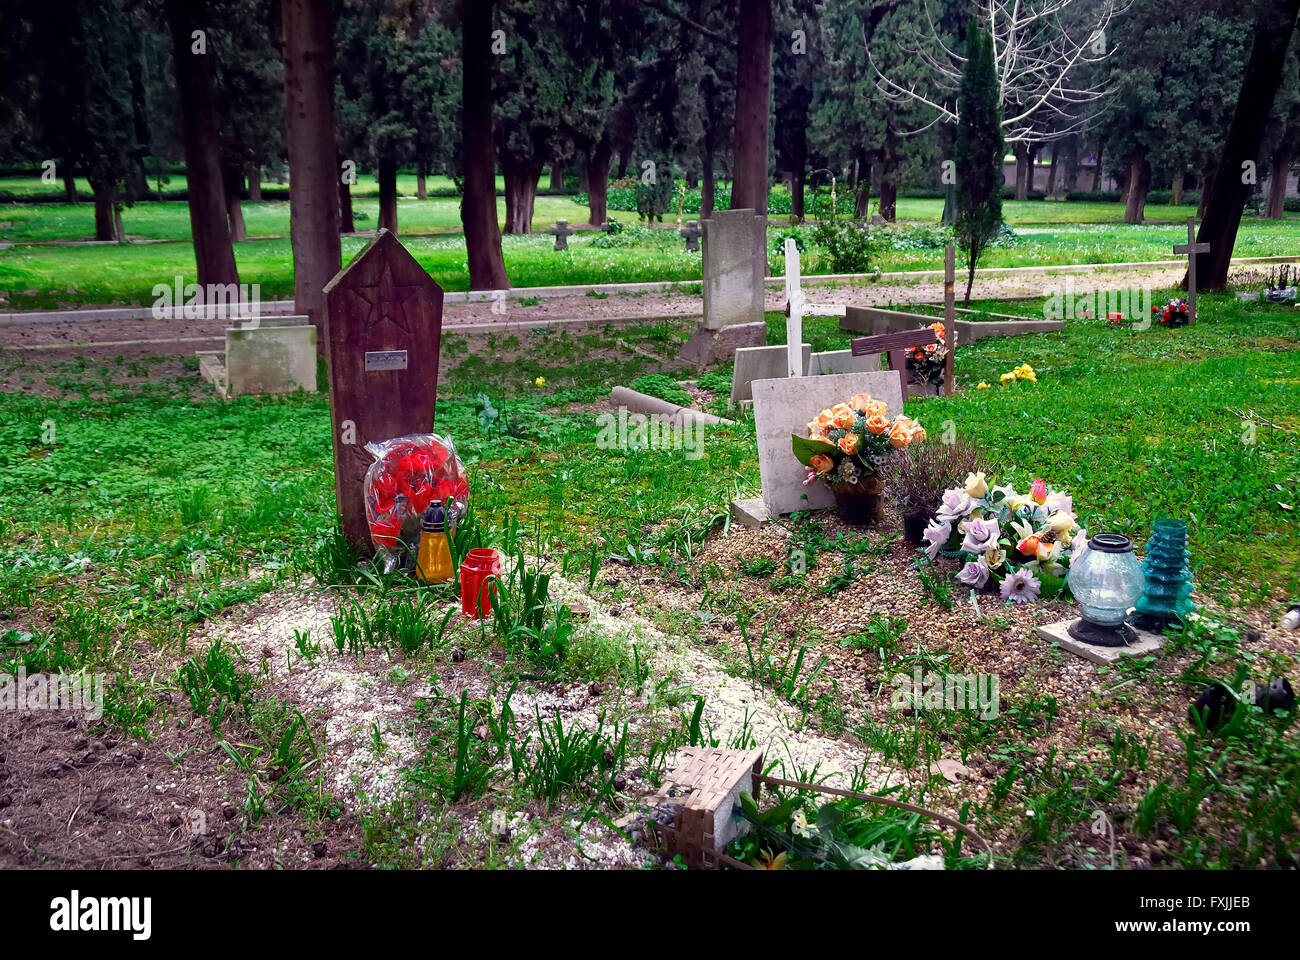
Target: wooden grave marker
{"x": 1191, "y": 248}
{"x": 383, "y": 327}
{"x": 897, "y": 345}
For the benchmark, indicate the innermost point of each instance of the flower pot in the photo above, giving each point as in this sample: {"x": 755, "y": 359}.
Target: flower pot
{"x": 914, "y": 529}
{"x": 860, "y": 503}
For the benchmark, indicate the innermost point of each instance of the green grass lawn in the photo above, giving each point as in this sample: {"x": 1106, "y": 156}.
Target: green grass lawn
{"x": 366, "y": 186}
{"x": 170, "y": 219}
{"x": 1136, "y": 425}
{"x": 45, "y": 277}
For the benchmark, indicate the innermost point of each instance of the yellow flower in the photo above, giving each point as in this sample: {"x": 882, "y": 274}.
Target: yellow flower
{"x": 1008, "y": 378}
{"x": 539, "y": 382}
{"x": 982, "y": 386}
{"x": 765, "y": 861}
{"x": 977, "y": 486}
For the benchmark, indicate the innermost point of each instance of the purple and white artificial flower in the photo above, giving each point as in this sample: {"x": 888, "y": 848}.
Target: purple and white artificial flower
{"x": 956, "y": 504}
{"x": 981, "y": 535}
{"x": 936, "y": 535}
{"x": 1021, "y": 587}
{"x": 974, "y": 574}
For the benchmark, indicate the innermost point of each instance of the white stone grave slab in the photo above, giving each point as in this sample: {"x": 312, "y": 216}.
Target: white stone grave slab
{"x": 783, "y": 407}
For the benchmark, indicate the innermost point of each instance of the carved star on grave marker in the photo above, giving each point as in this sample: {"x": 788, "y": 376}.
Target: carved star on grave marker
{"x": 387, "y": 301}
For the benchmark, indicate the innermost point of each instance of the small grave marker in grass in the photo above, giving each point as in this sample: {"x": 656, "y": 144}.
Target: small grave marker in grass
{"x": 562, "y": 234}
{"x": 692, "y": 234}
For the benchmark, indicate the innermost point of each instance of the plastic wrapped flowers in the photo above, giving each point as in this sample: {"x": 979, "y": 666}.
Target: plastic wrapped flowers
{"x": 1172, "y": 314}
{"x": 1019, "y": 544}
{"x": 408, "y": 474}
{"x": 853, "y": 439}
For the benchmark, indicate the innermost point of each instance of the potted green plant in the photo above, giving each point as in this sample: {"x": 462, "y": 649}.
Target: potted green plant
{"x": 917, "y": 478}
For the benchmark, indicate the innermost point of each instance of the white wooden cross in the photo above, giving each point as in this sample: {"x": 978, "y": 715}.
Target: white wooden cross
{"x": 1191, "y": 248}
{"x": 797, "y": 309}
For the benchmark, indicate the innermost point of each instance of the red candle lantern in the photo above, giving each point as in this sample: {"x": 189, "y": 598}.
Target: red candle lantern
{"x": 476, "y": 589}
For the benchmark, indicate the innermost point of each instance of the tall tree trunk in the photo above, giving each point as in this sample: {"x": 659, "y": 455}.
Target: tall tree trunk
{"x": 347, "y": 222}
{"x": 862, "y": 198}
{"x": 1135, "y": 208}
{"x": 1274, "y": 25}
{"x": 388, "y": 194}
{"x": 1051, "y": 170}
{"x": 70, "y": 185}
{"x": 557, "y": 176}
{"x": 478, "y": 205}
{"x": 597, "y": 173}
{"x": 799, "y": 162}
{"x": 307, "y": 29}
{"x": 213, "y": 253}
{"x": 105, "y": 192}
{"x": 1207, "y": 188}
{"x": 254, "y": 183}
{"x": 888, "y": 176}
{"x": 1281, "y": 173}
{"x": 692, "y": 179}
{"x": 421, "y": 180}
{"x": 753, "y": 105}
{"x": 1176, "y": 189}
{"x": 1034, "y": 151}
{"x": 1024, "y": 159}
{"x": 234, "y": 178}
{"x": 521, "y": 176}
{"x": 1096, "y": 173}
{"x": 1072, "y": 146}
{"x": 708, "y": 178}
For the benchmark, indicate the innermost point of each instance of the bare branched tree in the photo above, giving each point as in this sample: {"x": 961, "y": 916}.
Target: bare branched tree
{"x": 1041, "y": 48}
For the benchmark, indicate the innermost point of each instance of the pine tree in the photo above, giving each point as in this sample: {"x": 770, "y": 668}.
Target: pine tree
{"x": 978, "y": 151}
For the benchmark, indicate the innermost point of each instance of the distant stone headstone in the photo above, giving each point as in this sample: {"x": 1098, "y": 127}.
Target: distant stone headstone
{"x": 761, "y": 363}
{"x": 827, "y": 362}
{"x": 562, "y": 234}
{"x": 383, "y": 326}
{"x": 734, "y": 267}
{"x": 785, "y": 406}
{"x": 692, "y": 234}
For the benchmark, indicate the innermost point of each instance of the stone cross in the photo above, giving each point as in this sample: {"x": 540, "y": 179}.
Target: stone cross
{"x": 1191, "y": 248}
{"x": 562, "y": 234}
{"x": 692, "y": 234}
{"x": 896, "y": 345}
{"x": 383, "y": 326}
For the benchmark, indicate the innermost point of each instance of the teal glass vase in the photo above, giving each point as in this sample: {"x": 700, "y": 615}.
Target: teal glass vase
{"x": 1167, "y": 597}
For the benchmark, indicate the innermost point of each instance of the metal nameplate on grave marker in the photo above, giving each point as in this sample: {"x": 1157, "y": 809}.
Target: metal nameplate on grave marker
{"x": 385, "y": 360}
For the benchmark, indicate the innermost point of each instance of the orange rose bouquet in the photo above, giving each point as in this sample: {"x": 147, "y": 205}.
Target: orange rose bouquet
{"x": 852, "y": 440}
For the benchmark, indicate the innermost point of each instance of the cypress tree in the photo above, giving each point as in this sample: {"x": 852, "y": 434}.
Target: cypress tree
{"x": 978, "y": 151}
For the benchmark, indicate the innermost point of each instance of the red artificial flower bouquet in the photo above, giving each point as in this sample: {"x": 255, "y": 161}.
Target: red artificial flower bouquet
{"x": 408, "y": 474}
{"x": 1172, "y": 314}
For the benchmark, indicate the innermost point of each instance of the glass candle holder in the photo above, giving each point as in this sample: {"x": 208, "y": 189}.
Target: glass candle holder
{"x": 1107, "y": 580}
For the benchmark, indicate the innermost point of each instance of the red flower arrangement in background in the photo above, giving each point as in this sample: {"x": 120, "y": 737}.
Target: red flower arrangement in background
{"x": 408, "y": 474}
{"x": 1173, "y": 314}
